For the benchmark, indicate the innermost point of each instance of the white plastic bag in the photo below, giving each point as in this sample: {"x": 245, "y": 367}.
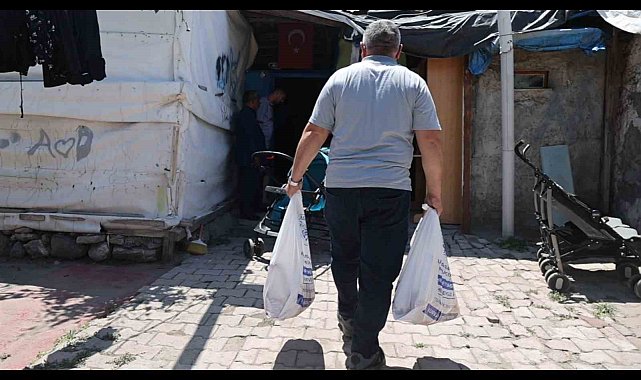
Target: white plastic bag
{"x": 425, "y": 292}
{"x": 289, "y": 288}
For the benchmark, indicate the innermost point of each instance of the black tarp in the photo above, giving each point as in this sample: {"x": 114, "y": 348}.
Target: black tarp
{"x": 443, "y": 33}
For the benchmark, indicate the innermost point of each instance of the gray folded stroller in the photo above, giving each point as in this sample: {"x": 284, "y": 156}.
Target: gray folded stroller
{"x": 586, "y": 237}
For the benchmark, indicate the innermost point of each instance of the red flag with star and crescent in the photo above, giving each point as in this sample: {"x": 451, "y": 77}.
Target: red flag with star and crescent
{"x": 295, "y": 46}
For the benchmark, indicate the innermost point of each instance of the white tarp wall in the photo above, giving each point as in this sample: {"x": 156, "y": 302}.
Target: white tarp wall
{"x": 151, "y": 140}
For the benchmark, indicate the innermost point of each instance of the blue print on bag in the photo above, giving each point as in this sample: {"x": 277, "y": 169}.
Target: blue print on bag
{"x": 302, "y": 301}
{"x": 432, "y": 312}
{"x": 445, "y": 283}
{"x": 307, "y": 271}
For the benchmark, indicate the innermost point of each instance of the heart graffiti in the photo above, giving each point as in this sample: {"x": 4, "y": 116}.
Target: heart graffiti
{"x": 66, "y": 146}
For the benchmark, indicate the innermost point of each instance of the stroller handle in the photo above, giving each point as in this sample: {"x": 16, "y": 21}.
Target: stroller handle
{"x": 289, "y": 158}
{"x": 272, "y": 153}
{"x": 521, "y": 153}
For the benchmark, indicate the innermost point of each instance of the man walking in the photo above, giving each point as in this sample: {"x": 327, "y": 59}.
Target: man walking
{"x": 373, "y": 109}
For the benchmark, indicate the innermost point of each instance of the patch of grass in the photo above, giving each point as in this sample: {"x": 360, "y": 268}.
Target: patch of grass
{"x": 123, "y": 359}
{"x": 41, "y": 354}
{"x": 529, "y": 292}
{"x": 602, "y": 310}
{"x": 66, "y": 339}
{"x": 562, "y": 317}
{"x": 557, "y": 296}
{"x": 513, "y": 243}
{"x": 541, "y": 306}
{"x": 503, "y": 300}
{"x": 419, "y": 345}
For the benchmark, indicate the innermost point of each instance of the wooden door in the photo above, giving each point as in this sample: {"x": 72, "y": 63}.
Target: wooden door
{"x": 445, "y": 81}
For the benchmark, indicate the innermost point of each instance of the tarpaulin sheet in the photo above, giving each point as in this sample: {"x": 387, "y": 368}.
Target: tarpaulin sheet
{"x": 628, "y": 20}
{"x": 151, "y": 141}
{"x": 590, "y": 40}
{"x": 442, "y": 33}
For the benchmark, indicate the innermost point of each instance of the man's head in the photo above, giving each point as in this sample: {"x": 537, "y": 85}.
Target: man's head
{"x": 251, "y": 99}
{"x": 277, "y": 96}
{"x": 382, "y": 37}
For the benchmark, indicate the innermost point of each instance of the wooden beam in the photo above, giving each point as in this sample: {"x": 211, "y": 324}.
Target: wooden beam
{"x": 168, "y": 246}
{"x": 611, "y": 102}
{"x": 194, "y": 223}
{"x": 288, "y": 16}
{"x": 468, "y": 103}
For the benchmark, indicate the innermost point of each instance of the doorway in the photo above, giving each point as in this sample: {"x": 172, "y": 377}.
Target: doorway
{"x": 292, "y": 116}
{"x": 445, "y": 81}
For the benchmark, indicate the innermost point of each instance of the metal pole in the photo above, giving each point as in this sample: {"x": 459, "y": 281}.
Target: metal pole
{"x": 507, "y": 119}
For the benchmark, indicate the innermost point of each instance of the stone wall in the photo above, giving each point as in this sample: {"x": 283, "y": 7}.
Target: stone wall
{"x": 26, "y": 242}
{"x": 569, "y": 112}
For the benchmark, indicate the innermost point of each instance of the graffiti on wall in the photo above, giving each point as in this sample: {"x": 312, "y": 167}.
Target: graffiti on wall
{"x": 63, "y": 147}
{"x": 227, "y": 80}
{"x": 227, "y": 72}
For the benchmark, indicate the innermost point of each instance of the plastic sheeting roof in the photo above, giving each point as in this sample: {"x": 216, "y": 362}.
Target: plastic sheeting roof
{"x": 441, "y": 34}
{"x": 630, "y": 21}
{"x": 445, "y": 33}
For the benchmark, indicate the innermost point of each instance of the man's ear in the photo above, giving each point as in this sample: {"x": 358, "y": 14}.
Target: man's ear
{"x": 398, "y": 53}
{"x": 363, "y": 50}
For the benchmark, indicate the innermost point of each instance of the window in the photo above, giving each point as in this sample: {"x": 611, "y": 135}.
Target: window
{"x": 528, "y": 79}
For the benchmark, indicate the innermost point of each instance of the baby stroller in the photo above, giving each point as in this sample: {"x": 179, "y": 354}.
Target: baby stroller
{"x": 313, "y": 192}
{"x": 586, "y": 237}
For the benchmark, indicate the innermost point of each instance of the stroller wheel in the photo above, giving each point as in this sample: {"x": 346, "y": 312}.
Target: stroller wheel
{"x": 249, "y": 248}
{"x": 545, "y": 265}
{"x": 541, "y": 253}
{"x": 635, "y": 284}
{"x": 259, "y": 248}
{"x": 549, "y": 273}
{"x": 559, "y": 282}
{"x": 627, "y": 269}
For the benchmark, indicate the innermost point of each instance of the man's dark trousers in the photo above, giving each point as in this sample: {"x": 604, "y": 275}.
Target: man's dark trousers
{"x": 369, "y": 231}
{"x": 250, "y": 189}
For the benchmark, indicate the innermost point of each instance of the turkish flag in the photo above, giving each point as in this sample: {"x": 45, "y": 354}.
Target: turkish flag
{"x": 295, "y": 46}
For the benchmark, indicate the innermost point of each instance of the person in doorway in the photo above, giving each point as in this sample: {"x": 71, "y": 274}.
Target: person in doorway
{"x": 373, "y": 109}
{"x": 249, "y": 139}
{"x": 265, "y": 114}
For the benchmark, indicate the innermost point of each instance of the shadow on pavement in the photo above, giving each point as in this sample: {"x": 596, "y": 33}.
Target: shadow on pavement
{"x": 428, "y": 362}
{"x": 300, "y": 354}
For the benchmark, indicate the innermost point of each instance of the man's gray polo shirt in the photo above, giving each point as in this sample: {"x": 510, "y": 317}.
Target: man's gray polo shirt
{"x": 371, "y": 108}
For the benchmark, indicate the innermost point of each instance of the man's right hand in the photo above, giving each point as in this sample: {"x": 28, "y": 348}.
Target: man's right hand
{"x": 435, "y": 203}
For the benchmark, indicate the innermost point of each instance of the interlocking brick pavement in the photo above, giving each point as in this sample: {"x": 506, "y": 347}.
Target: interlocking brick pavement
{"x": 207, "y": 313}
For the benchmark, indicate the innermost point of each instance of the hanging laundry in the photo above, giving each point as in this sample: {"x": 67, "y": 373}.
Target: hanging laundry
{"x": 15, "y": 52}
{"x": 65, "y": 42}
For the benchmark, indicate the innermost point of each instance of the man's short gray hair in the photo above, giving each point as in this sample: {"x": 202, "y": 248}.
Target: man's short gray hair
{"x": 382, "y": 36}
